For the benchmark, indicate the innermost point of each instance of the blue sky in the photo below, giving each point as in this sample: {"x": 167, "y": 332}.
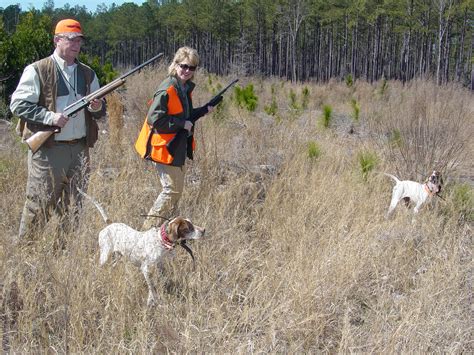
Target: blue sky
{"x": 90, "y": 4}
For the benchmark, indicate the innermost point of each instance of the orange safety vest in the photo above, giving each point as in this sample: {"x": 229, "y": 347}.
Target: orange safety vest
{"x": 153, "y": 145}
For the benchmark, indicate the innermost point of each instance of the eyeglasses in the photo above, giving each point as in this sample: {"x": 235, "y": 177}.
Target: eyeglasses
{"x": 77, "y": 39}
{"x": 188, "y": 67}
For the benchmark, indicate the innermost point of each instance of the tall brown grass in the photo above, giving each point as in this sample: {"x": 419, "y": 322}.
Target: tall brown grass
{"x": 298, "y": 255}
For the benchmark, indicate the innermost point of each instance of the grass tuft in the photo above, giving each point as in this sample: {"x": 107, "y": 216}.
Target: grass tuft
{"x": 326, "y": 117}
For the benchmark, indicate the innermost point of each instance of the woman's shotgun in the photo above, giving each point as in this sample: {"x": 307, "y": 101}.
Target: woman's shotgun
{"x": 38, "y": 139}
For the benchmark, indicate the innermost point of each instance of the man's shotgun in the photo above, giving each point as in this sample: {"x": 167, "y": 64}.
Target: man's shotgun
{"x": 38, "y": 139}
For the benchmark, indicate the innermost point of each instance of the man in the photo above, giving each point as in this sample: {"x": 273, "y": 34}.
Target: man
{"x": 61, "y": 163}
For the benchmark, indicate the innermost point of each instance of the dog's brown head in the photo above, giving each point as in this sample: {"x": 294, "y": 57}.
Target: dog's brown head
{"x": 180, "y": 229}
{"x": 435, "y": 182}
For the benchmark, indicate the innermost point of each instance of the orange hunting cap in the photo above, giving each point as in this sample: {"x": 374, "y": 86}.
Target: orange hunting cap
{"x": 70, "y": 27}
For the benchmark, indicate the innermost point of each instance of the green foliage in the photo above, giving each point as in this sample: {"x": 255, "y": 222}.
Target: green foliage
{"x": 314, "y": 150}
{"x": 383, "y": 87}
{"x": 367, "y": 162}
{"x": 218, "y": 113}
{"x": 109, "y": 72}
{"x": 126, "y": 32}
{"x": 219, "y": 110}
{"x": 5, "y": 166}
{"x": 11, "y": 17}
{"x": 105, "y": 73}
{"x": 273, "y": 88}
{"x": 31, "y": 41}
{"x": 272, "y": 109}
{"x": 217, "y": 88}
{"x": 305, "y": 98}
{"x": 246, "y": 97}
{"x": 395, "y": 138}
{"x": 355, "y": 110}
{"x": 463, "y": 201}
{"x": 6, "y": 53}
{"x": 349, "y": 80}
{"x": 326, "y": 118}
{"x": 293, "y": 103}
{"x": 120, "y": 18}
{"x": 4, "y": 111}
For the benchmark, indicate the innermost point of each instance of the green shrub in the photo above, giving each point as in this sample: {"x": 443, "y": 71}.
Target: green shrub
{"x": 395, "y": 138}
{"x": 355, "y": 110}
{"x": 367, "y": 162}
{"x": 383, "y": 87}
{"x": 314, "y": 150}
{"x": 105, "y": 73}
{"x": 463, "y": 200}
{"x": 272, "y": 109}
{"x": 327, "y": 116}
{"x": 218, "y": 114}
{"x": 4, "y": 110}
{"x": 293, "y": 103}
{"x": 4, "y": 166}
{"x": 246, "y": 97}
{"x": 305, "y": 98}
{"x": 349, "y": 80}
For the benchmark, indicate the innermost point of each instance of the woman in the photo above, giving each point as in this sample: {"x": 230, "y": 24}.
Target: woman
{"x": 167, "y": 137}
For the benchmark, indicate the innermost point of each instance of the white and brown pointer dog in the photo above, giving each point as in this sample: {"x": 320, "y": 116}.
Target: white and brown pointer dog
{"x": 145, "y": 249}
{"x": 411, "y": 191}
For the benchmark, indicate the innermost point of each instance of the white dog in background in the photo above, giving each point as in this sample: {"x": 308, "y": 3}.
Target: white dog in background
{"x": 145, "y": 249}
{"x": 413, "y": 191}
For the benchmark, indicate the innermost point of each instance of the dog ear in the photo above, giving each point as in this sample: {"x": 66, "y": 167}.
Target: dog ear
{"x": 173, "y": 228}
{"x": 178, "y": 229}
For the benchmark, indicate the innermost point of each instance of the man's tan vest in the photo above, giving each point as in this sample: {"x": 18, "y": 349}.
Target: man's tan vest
{"x": 47, "y": 73}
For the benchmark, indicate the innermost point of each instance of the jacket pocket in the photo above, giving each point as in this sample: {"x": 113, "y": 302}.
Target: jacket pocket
{"x": 159, "y": 149}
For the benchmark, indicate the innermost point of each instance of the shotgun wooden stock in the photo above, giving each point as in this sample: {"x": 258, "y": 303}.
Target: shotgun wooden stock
{"x": 38, "y": 138}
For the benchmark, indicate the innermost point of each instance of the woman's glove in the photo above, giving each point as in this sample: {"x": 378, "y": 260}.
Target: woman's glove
{"x": 188, "y": 126}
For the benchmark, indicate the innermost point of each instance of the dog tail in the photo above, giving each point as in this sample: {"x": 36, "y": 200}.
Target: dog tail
{"x": 97, "y": 205}
{"x": 393, "y": 177}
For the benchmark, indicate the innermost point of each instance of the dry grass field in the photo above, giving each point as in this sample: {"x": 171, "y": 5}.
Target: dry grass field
{"x": 298, "y": 254}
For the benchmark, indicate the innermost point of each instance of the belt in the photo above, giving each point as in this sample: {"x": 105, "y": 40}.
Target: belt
{"x": 72, "y": 141}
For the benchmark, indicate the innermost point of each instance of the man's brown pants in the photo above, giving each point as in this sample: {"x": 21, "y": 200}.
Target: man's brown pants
{"x": 53, "y": 174}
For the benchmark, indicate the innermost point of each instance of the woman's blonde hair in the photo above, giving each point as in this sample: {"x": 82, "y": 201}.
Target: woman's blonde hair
{"x": 187, "y": 54}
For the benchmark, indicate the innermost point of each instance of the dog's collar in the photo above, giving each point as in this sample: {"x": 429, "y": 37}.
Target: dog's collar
{"x": 165, "y": 240}
{"x": 428, "y": 190}
{"x": 169, "y": 245}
